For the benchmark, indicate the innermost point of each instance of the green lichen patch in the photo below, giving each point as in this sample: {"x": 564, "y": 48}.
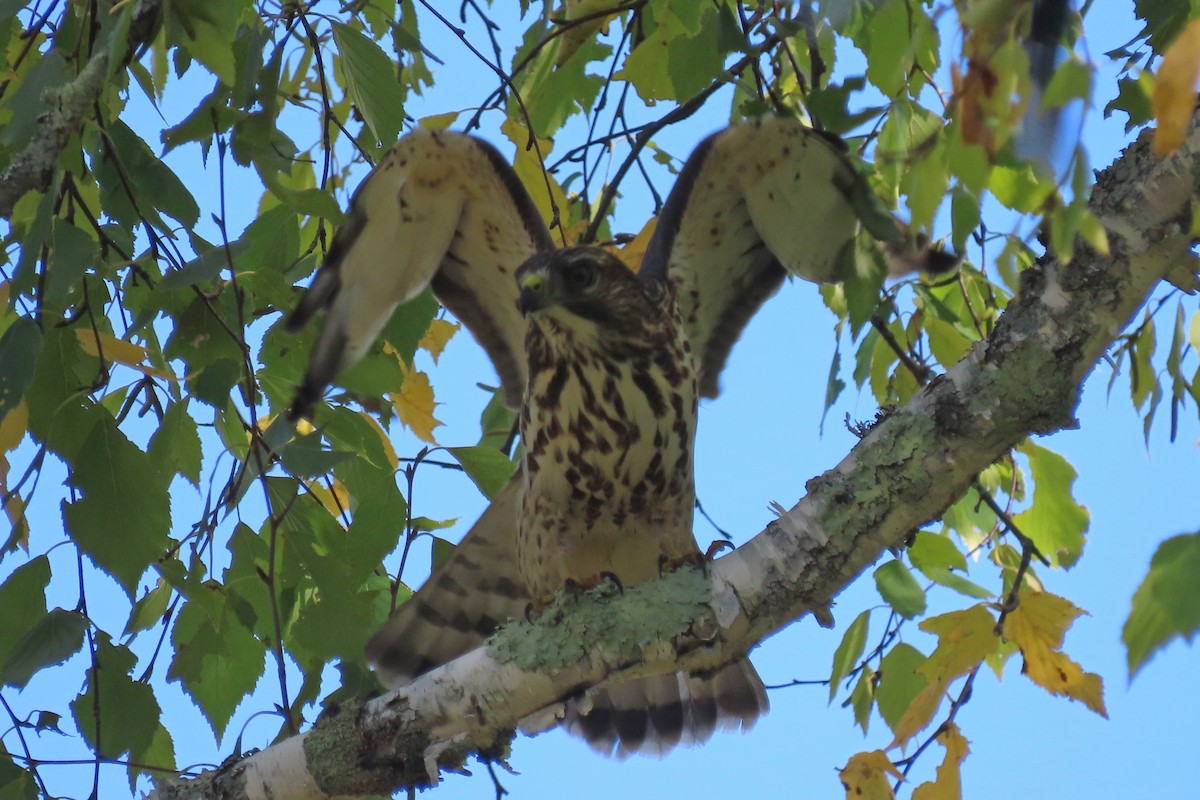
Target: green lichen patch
{"x": 616, "y": 624}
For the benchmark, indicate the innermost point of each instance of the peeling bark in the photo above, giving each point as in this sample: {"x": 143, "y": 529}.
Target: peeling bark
{"x": 1024, "y": 379}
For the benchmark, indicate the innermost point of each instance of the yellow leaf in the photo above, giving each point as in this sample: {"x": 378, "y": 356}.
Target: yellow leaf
{"x": 580, "y": 32}
{"x": 110, "y": 348}
{"x": 634, "y": 250}
{"x": 965, "y": 639}
{"x": 15, "y": 508}
{"x": 439, "y": 122}
{"x": 414, "y": 404}
{"x": 435, "y": 338}
{"x": 390, "y": 451}
{"x": 1037, "y": 626}
{"x": 947, "y": 784}
{"x": 869, "y": 776}
{"x": 547, "y": 195}
{"x": 1175, "y": 89}
{"x": 919, "y": 713}
{"x": 13, "y": 427}
{"x": 335, "y": 501}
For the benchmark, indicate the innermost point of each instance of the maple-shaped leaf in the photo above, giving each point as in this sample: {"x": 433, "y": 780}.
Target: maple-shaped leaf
{"x": 1175, "y": 89}
{"x": 414, "y": 404}
{"x": 1037, "y": 626}
{"x": 947, "y": 784}
{"x": 1167, "y": 604}
{"x": 869, "y": 776}
{"x": 965, "y": 639}
{"x": 436, "y": 337}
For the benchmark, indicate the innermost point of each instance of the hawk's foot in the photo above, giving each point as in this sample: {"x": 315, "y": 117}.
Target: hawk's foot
{"x": 697, "y": 559}
{"x": 572, "y": 585}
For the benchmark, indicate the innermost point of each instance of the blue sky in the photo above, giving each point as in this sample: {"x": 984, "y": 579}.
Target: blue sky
{"x": 759, "y": 443}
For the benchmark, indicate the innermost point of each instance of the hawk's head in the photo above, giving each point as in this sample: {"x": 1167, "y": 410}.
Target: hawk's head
{"x": 587, "y": 289}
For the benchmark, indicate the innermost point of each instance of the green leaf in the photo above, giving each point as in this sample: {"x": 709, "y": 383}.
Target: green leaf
{"x": 946, "y": 343}
{"x": 217, "y": 660}
{"x": 116, "y": 714}
{"x": 937, "y": 558}
{"x": 848, "y": 653}
{"x": 441, "y": 550}
{"x": 204, "y": 30}
{"x": 900, "y": 589}
{"x": 1072, "y": 81}
{"x": 371, "y": 82}
{"x": 176, "y": 443}
{"x": 1055, "y": 522}
{"x": 964, "y": 217}
{"x": 487, "y": 466}
{"x": 23, "y": 598}
{"x": 686, "y": 33}
{"x": 336, "y": 626}
{"x": 833, "y": 384}
{"x": 1166, "y": 606}
{"x": 127, "y": 166}
{"x": 899, "y": 682}
{"x": 73, "y": 252}
{"x": 304, "y": 457}
{"x": 19, "y": 349}
{"x": 900, "y": 37}
{"x": 862, "y": 697}
{"x": 1019, "y": 188}
{"x": 1133, "y": 97}
{"x": 150, "y": 609}
{"x": 123, "y": 518}
{"x": 60, "y": 413}
{"x": 15, "y": 783}
{"x": 52, "y": 640}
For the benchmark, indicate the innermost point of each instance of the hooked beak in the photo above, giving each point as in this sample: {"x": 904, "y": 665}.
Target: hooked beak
{"x": 532, "y": 296}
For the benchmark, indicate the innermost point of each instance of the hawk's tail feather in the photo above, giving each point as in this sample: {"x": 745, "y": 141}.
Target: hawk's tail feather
{"x": 473, "y": 592}
{"x": 652, "y": 715}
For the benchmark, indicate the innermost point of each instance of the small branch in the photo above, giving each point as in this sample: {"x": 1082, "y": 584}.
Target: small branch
{"x": 33, "y": 168}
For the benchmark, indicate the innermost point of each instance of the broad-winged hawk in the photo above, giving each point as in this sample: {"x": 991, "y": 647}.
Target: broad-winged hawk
{"x": 605, "y": 365}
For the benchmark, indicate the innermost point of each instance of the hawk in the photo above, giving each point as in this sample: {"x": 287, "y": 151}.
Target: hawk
{"x": 606, "y": 367}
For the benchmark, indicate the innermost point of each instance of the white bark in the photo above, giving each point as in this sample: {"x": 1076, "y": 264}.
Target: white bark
{"x": 1025, "y": 378}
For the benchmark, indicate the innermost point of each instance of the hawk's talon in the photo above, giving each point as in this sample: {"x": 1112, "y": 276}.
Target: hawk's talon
{"x": 716, "y": 547}
{"x": 529, "y": 612}
{"x": 612, "y": 576}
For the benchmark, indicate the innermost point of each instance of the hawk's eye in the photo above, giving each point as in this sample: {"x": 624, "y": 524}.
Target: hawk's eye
{"x": 578, "y": 277}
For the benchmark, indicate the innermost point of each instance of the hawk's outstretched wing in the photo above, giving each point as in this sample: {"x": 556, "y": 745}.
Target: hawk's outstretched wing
{"x": 753, "y": 201}
{"x": 442, "y": 209}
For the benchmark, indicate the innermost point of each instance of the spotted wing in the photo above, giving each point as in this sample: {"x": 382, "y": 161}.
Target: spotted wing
{"x": 758, "y": 199}
{"x": 441, "y": 209}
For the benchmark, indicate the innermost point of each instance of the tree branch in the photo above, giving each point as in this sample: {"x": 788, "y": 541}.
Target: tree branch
{"x": 33, "y": 168}
{"x": 1023, "y": 379}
